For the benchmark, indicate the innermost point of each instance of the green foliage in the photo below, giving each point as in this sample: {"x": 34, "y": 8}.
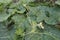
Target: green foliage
{"x": 58, "y": 2}
{"x": 29, "y": 20}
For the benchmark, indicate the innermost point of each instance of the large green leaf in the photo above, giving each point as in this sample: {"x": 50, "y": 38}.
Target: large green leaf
{"x": 18, "y": 18}
{"x": 4, "y": 33}
{"x": 4, "y": 16}
{"x": 51, "y": 21}
{"x": 17, "y": 7}
{"x": 39, "y": 36}
{"x": 37, "y": 12}
{"x": 19, "y": 23}
{"x": 54, "y": 16}
{"x": 47, "y": 34}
